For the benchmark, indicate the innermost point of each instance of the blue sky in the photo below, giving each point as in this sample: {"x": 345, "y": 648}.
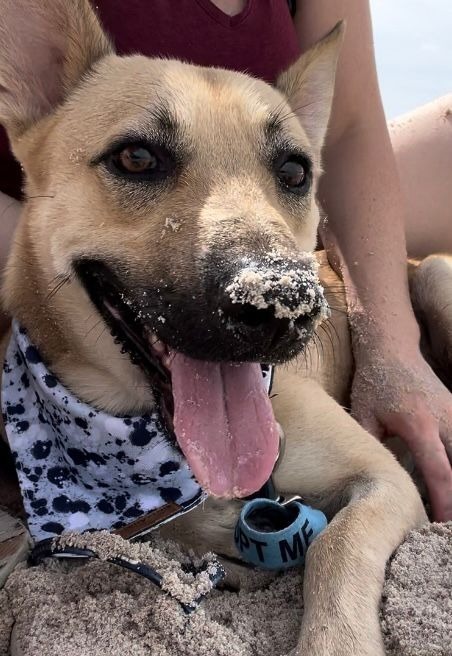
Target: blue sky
{"x": 413, "y": 44}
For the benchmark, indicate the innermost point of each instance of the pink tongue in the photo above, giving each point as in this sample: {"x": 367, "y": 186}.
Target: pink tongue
{"x": 224, "y": 424}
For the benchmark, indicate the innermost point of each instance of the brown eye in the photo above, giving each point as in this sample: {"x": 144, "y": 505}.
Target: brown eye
{"x": 294, "y": 173}
{"x": 140, "y": 162}
{"x": 136, "y": 159}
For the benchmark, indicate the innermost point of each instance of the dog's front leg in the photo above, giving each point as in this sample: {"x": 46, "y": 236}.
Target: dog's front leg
{"x": 345, "y": 572}
{"x": 335, "y": 464}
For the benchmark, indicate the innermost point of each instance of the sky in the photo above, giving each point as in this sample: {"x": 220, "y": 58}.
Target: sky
{"x": 413, "y": 45}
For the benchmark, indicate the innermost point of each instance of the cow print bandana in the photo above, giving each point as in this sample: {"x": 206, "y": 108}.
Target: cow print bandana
{"x": 80, "y": 468}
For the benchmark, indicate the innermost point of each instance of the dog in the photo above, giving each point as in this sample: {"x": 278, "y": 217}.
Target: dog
{"x": 166, "y": 247}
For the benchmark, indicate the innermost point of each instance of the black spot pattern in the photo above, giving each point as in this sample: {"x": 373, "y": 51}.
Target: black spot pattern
{"x": 168, "y": 468}
{"x": 139, "y": 479}
{"x": 83, "y": 458}
{"x": 50, "y": 380}
{"x": 64, "y": 505}
{"x": 52, "y": 527}
{"x": 41, "y": 450}
{"x": 133, "y": 512}
{"x": 58, "y": 475}
{"x": 15, "y": 409}
{"x": 32, "y": 355}
{"x": 170, "y": 494}
{"x": 105, "y": 507}
{"x": 79, "y": 468}
{"x": 141, "y": 436}
{"x": 39, "y": 503}
{"x": 22, "y": 426}
{"x": 82, "y": 423}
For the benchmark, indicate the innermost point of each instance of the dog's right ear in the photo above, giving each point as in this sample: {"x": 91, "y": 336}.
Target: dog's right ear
{"x": 46, "y": 46}
{"x": 309, "y": 85}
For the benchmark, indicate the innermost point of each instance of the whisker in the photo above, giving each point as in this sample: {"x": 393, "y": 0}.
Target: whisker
{"x": 307, "y": 353}
{"x": 63, "y": 280}
{"x": 335, "y": 309}
{"x": 101, "y": 334}
{"x": 96, "y": 324}
{"x": 321, "y": 351}
{"x": 328, "y": 334}
{"x": 332, "y": 327}
{"x": 294, "y": 110}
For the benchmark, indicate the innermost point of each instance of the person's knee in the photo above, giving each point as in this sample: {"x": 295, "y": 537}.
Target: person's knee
{"x": 442, "y": 107}
{"x": 439, "y": 109}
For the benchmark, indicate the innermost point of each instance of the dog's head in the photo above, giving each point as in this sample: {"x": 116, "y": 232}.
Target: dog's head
{"x": 172, "y": 203}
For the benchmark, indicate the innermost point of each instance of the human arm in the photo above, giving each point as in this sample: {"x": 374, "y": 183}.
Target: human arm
{"x": 394, "y": 390}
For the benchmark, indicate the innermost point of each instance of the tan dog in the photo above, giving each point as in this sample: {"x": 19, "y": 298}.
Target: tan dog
{"x": 175, "y": 202}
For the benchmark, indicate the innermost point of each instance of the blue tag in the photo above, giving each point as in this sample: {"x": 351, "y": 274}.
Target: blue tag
{"x": 271, "y": 535}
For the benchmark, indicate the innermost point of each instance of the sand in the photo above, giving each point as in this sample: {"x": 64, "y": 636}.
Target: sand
{"x": 98, "y": 609}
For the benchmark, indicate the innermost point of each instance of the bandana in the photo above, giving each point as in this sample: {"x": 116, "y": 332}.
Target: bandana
{"x": 80, "y": 468}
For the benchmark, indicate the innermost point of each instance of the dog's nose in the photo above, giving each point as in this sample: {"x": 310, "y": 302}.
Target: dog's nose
{"x": 273, "y": 293}
{"x": 247, "y": 317}
{"x": 260, "y": 323}
{"x": 253, "y": 317}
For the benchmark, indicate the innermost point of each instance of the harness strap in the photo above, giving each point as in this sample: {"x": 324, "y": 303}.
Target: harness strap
{"x": 154, "y": 519}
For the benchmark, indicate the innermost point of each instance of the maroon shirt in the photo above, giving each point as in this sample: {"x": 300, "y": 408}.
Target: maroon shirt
{"x": 261, "y": 41}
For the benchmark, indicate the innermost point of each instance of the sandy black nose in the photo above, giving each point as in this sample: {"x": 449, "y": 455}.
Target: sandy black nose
{"x": 247, "y": 314}
{"x": 274, "y": 293}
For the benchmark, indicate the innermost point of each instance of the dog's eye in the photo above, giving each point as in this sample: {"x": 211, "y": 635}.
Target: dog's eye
{"x": 294, "y": 173}
{"x": 140, "y": 162}
{"x": 135, "y": 159}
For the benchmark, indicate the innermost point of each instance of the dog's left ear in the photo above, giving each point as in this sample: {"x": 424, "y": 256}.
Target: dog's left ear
{"x": 309, "y": 85}
{"x": 46, "y": 46}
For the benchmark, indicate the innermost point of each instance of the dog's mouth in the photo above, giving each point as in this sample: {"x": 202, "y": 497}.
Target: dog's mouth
{"x": 220, "y": 412}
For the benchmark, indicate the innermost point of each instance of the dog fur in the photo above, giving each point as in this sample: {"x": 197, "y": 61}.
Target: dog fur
{"x": 64, "y": 97}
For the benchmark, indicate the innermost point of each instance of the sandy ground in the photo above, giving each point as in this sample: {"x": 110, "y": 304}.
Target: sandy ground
{"x": 97, "y": 609}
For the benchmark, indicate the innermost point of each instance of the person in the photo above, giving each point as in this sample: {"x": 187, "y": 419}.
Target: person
{"x": 384, "y": 188}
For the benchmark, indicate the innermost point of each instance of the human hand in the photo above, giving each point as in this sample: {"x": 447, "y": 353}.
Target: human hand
{"x": 398, "y": 394}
